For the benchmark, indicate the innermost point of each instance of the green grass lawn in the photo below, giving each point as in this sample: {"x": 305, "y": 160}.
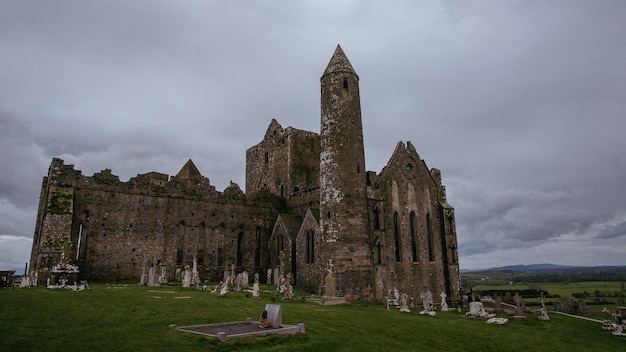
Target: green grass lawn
{"x": 132, "y": 318}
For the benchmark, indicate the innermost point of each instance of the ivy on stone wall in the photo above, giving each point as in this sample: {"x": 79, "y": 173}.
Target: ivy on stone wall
{"x": 60, "y": 201}
{"x": 57, "y": 241}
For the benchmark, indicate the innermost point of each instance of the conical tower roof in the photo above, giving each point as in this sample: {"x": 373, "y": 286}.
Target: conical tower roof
{"x": 339, "y": 63}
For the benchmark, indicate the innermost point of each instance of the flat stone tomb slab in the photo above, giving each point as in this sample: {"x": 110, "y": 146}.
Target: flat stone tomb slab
{"x": 228, "y": 331}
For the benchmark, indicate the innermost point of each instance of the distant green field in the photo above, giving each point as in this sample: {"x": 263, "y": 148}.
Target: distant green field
{"x": 132, "y": 318}
{"x": 591, "y": 292}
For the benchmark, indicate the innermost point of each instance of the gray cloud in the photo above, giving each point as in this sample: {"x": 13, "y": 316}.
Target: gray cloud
{"x": 520, "y": 104}
{"x": 612, "y": 231}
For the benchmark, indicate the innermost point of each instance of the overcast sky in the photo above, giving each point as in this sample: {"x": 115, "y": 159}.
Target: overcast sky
{"x": 520, "y": 104}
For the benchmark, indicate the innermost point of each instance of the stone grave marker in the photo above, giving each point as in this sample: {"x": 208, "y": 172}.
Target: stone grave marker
{"x": 274, "y": 314}
{"x": 330, "y": 287}
{"x": 498, "y": 304}
{"x": 151, "y": 276}
{"x": 276, "y": 276}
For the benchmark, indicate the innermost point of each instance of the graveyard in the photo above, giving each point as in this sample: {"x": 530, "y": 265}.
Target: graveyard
{"x": 126, "y": 316}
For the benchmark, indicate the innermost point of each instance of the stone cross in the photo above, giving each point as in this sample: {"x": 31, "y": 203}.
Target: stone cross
{"x": 444, "y": 304}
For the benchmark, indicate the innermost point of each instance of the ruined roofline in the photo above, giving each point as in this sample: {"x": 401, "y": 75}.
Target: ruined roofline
{"x": 275, "y": 125}
{"x": 410, "y": 148}
{"x": 63, "y": 174}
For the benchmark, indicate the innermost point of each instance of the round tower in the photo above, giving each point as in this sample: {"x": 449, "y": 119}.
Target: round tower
{"x": 343, "y": 194}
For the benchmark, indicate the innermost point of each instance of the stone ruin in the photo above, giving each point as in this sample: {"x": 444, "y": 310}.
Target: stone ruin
{"x": 110, "y": 228}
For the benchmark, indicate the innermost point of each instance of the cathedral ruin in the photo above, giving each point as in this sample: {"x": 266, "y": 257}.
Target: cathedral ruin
{"x": 310, "y": 209}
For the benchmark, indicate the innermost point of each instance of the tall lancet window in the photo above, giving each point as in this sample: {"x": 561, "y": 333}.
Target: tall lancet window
{"x": 414, "y": 250}
{"x": 431, "y": 239}
{"x": 396, "y": 234}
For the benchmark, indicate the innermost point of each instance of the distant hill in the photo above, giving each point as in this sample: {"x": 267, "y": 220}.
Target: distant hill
{"x": 545, "y": 267}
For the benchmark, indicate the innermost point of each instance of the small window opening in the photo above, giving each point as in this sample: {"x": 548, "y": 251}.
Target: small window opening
{"x": 376, "y": 219}
{"x": 345, "y": 83}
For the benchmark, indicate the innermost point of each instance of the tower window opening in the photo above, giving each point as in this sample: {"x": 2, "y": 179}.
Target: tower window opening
{"x": 376, "y": 219}
{"x": 345, "y": 83}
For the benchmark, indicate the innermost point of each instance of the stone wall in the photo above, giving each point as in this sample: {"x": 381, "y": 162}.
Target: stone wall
{"x": 415, "y": 239}
{"x": 116, "y": 228}
{"x": 285, "y": 163}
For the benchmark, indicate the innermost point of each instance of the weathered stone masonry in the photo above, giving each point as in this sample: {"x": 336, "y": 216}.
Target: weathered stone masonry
{"x": 310, "y": 209}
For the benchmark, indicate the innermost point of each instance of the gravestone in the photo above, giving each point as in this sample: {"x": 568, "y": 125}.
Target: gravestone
{"x": 195, "y": 277}
{"x": 519, "y": 311}
{"x": 476, "y": 308}
{"x": 276, "y": 276}
{"x": 282, "y": 284}
{"x": 330, "y": 287}
{"x": 543, "y": 312}
{"x": 151, "y": 276}
{"x": 289, "y": 292}
{"x": 498, "y": 304}
{"x": 444, "y": 304}
{"x": 162, "y": 277}
{"x": 427, "y": 299}
{"x": 427, "y": 302}
{"x": 255, "y": 290}
{"x": 404, "y": 303}
{"x": 269, "y": 277}
{"x": 274, "y": 315}
{"x": 245, "y": 280}
{"x": 186, "y": 282}
{"x": 224, "y": 289}
{"x": 144, "y": 277}
{"x": 238, "y": 281}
